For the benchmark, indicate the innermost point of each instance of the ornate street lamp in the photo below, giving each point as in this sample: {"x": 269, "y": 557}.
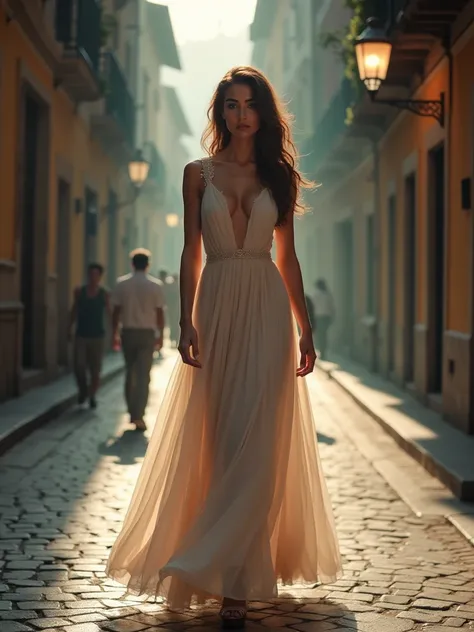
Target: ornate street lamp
{"x": 373, "y": 51}
{"x": 172, "y": 220}
{"x": 138, "y": 169}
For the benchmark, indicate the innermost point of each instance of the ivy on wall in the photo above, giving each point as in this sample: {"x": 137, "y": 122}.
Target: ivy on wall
{"x": 342, "y": 44}
{"x": 108, "y": 26}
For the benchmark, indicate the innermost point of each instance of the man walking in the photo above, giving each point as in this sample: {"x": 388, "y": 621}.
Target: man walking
{"x": 139, "y": 306}
{"x": 91, "y": 303}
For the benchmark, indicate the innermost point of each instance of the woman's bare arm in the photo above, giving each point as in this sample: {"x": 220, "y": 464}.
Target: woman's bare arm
{"x": 191, "y": 259}
{"x": 289, "y": 267}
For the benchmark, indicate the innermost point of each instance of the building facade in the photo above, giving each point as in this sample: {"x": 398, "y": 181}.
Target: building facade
{"x": 286, "y": 36}
{"x": 155, "y": 125}
{"x": 393, "y": 230}
{"x": 68, "y": 130}
{"x": 173, "y": 129}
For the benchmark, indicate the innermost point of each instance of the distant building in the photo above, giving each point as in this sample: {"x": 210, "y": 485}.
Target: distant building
{"x": 157, "y": 132}
{"x": 173, "y": 128}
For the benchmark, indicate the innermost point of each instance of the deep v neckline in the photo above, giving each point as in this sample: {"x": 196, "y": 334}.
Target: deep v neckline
{"x": 226, "y": 203}
{"x": 227, "y": 212}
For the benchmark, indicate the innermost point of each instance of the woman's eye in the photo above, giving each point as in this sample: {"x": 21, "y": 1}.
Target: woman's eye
{"x": 251, "y": 105}
{"x": 231, "y": 106}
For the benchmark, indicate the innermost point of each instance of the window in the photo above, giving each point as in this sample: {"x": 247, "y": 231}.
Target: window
{"x": 146, "y": 96}
{"x": 299, "y": 22}
{"x": 288, "y": 35}
{"x": 369, "y": 263}
{"x": 116, "y": 36}
{"x": 128, "y": 60}
{"x": 146, "y": 232}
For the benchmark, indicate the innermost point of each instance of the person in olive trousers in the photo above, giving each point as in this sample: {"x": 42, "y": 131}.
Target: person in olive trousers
{"x": 88, "y": 314}
{"x": 138, "y": 306}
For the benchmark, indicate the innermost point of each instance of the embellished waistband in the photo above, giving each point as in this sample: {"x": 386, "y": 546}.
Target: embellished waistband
{"x": 238, "y": 254}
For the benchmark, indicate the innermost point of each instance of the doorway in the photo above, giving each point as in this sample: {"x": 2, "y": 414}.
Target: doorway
{"x": 33, "y": 196}
{"x": 63, "y": 269}
{"x": 391, "y": 281}
{"x": 436, "y": 253}
{"x": 90, "y": 232}
{"x": 409, "y": 278}
{"x": 127, "y": 242}
{"x": 369, "y": 266}
{"x": 30, "y": 157}
{"x": 112, "y": 238}
{"x": 345, "y": 284}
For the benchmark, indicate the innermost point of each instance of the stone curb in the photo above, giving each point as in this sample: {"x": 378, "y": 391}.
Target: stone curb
{"x": 59, "y": 405}
{"x": 462, "y": 489}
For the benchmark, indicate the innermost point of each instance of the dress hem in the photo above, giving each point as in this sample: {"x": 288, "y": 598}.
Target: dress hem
{"x": 207, "y": 594}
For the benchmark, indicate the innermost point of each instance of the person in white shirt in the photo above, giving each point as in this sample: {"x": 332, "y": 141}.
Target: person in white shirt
{"x": 139, "y": 305}
{"x": 324, "y": 314}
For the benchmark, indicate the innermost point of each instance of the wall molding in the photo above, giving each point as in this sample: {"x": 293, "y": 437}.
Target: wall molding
{"x": 26, "y": 75}
{"x": 410, "y": 164}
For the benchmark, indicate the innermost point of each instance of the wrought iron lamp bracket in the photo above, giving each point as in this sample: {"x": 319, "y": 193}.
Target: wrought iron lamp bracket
{"x": 106, "y": 209}
{"x": 430, "y": 108}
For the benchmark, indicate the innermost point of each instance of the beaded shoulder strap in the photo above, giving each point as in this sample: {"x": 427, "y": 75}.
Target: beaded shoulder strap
{"x": 207, "y": 172}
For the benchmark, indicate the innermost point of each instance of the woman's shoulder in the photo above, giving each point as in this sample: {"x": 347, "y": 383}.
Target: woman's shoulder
{"x": 194, "y": 168}
{"x": 193, "y": 171}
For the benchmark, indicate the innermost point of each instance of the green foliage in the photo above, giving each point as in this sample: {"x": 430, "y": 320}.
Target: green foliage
{"x": 342, "y": 44}
{"x": 108, "y": 24}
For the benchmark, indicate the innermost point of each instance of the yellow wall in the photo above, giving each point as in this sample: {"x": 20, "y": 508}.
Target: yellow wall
{"x": 70, "y": 141}
{"x": 460, "y": 222}
{"x": 13, "y": 48}
{"x": 414, "y": 135}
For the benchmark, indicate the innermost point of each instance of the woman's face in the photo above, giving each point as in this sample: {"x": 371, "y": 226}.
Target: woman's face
{"x": 240, "y": 112}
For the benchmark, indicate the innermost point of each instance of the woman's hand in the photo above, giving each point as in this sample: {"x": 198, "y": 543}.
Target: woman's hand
{"x": 308, "y": 355}
{"x": 189, "y": 340}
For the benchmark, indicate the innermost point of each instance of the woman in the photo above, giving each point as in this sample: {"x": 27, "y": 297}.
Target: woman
{"x": 231, "y": 497}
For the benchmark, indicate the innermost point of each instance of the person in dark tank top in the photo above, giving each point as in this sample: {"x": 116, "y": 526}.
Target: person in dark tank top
{"x": 88, "y": 327}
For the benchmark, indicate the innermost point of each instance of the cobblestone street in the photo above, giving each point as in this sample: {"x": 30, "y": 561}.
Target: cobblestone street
{"x": 64, "y": 490}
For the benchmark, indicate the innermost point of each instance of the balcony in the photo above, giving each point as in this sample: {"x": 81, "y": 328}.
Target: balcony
{"x": 321, "y": 150}
{"x": 114, "y": 124}
{"x": 78, "y": 28}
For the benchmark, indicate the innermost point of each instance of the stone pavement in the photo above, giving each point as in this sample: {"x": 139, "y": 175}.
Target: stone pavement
{"x": 442, "y": 449}
{"x": 64, "y": 490}
{"x": 22, "y": 415}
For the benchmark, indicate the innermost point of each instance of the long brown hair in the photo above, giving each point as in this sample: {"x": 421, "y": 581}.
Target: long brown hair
{"x": 276, "y": 156}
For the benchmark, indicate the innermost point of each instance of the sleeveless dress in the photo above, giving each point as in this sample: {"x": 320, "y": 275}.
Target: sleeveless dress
{"x": 231, "y": 498}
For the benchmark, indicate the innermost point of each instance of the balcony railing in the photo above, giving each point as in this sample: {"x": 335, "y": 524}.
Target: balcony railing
{"x": 157, "y": 173}
{"x": 119, "y": 103}
{"x": 156, "y": 184}
{"x": 331, "y": 127}
{"x": 78, "y": 28}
